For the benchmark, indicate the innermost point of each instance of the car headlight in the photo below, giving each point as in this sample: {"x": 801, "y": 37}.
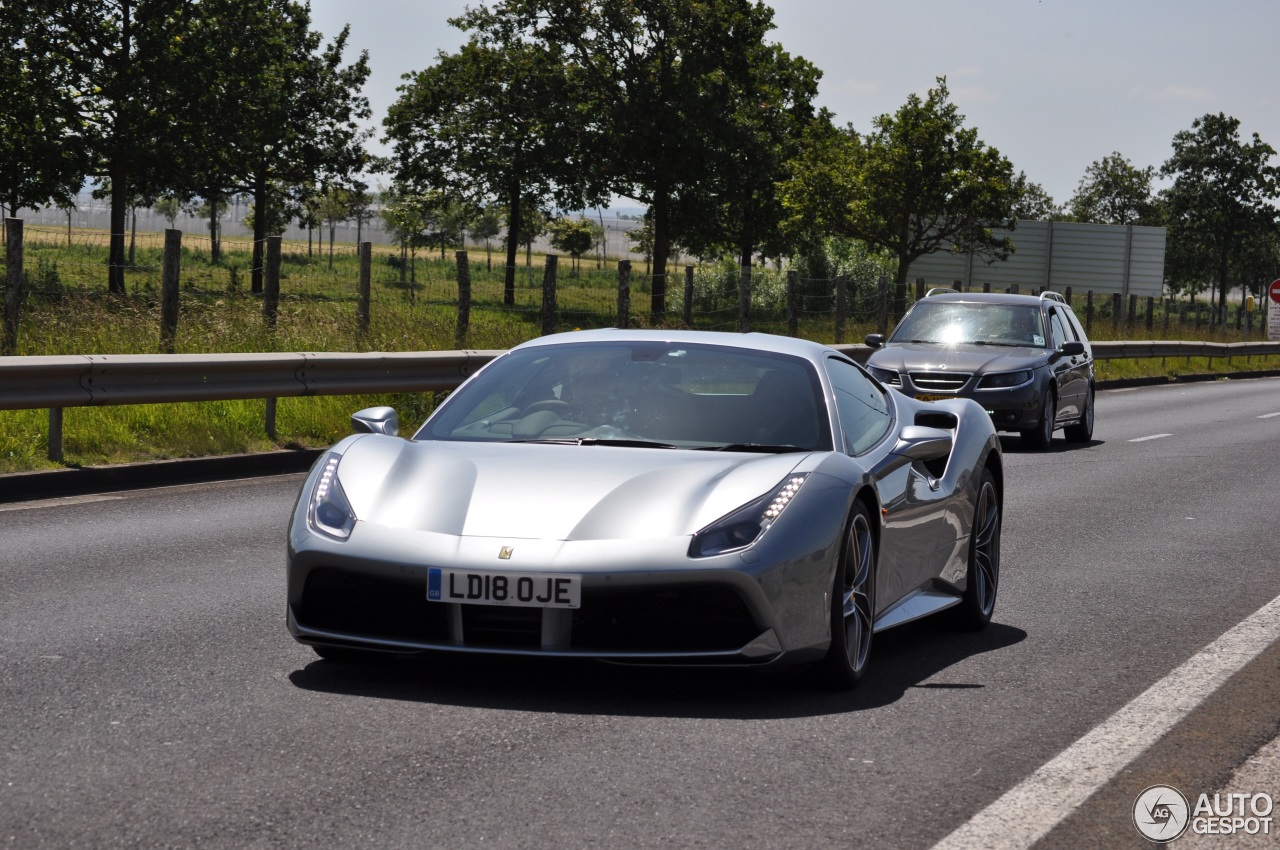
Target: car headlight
{"x": 329, "y": 512}
{"x": 745, "y": 525}
{"x": 888, "y": 377}
{"x": 1005, "y": 380}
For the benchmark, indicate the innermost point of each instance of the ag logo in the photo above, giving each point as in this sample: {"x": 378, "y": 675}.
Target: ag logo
{"x": 1160, "y": 813}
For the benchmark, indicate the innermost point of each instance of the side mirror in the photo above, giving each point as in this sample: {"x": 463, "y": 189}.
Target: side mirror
{"x": 376, "y": 420}
{"x": 874, "y": 340}
{"x": 1072, "y": 349}
{"x": 916, "y": 442}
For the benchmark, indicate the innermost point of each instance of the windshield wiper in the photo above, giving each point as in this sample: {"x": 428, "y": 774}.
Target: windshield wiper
{"x": 1003, "y": 344}
{"x": 596, "y": 441}
{"x": 763, "y": 448}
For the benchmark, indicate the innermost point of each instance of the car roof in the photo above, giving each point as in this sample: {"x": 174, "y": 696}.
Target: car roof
{"x": 991, "y": 298}
{"x": 746, "y": 341}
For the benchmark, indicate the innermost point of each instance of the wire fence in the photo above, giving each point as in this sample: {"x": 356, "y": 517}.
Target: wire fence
{"x": 416, "y": 300}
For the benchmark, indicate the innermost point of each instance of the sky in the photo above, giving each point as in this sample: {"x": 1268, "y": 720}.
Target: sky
{"x": 1053, "y": 85}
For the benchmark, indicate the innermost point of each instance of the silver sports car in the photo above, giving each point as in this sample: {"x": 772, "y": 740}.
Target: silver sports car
{"x": 652, "y": 497}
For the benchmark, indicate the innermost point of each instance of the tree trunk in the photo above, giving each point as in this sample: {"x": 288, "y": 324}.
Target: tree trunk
{"x": 259, "y": 226}
{"x": 119, "y": 206}
{"x": 513, "y": 244}
{"x": 133, "y": 234}
{"x": 215, "y": 235}
{"x": 332, "y": 227}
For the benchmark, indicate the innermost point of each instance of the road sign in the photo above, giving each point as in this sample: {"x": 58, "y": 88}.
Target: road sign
{"x": 1273, "y": 316}
{"x": 1274, "y": 292}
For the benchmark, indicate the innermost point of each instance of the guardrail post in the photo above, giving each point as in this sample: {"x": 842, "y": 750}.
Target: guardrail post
{"x": 793, "y": 283}
{"x": 842, "y": 307}
{"x": 12, "y": 286}
{"x": 744, "y": 299}
{"x": 271, "y": 284}
{"x": 271, "y": 418}
{"x": 549, "y": 295}
{"x": 366, "y": 272}
{"x": 624, "y": 293}
{"x": 463, "y": 325}
{"x": 55, "y": 434}
{"x": 171, "y": 270}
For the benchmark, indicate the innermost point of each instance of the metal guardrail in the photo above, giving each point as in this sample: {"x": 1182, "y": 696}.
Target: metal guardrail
{"x": 55, "y": 382}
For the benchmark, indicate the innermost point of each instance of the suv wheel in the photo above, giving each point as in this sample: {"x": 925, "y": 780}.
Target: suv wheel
{"x": 1042, "y": 436}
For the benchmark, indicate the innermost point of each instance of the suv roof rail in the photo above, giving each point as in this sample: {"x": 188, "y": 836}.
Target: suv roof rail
{"x": 939, "y": 289}
{"x": 1053, "y": 296}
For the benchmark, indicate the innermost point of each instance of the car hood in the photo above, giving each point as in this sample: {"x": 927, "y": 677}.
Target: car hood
{"x": 976, "y": 359}
{"x": 550, "y": 491}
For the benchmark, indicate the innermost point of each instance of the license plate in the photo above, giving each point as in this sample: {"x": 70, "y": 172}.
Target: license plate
{"x": 524, "y": 590}
{"x": 928, "y": 397}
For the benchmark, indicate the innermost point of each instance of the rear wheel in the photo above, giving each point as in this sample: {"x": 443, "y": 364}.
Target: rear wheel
{"x": 1041, "y": 437}
{"x": 853, "y": 603}
{"x": 983, "y": 576}
{"x": 1082, "y": 431}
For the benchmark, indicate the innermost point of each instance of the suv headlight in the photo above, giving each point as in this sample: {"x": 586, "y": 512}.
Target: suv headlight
{"x": 888, "y": 377}
{"x": 329, "y": 512}
{"x": 1005, "y": 380}
{"x": 744, "y": 526}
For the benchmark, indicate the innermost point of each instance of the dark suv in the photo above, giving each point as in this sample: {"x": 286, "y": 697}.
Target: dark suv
{"x": 1024, "y": 358}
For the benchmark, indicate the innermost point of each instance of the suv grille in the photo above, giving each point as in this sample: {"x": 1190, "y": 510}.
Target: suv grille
{"x": 940, "y": 382}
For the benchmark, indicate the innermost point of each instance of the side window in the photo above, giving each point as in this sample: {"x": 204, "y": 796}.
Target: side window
{"x": 1056, "y": 331}
{"x": 1075, "y": 324}
{"x": 861, "y": 406}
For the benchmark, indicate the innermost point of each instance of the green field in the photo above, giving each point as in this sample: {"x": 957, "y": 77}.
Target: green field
{"x": 67, "y": 311}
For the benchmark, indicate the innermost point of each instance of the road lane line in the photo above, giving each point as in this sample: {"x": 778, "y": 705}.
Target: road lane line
{"x": 1268, "y": 415}
{"x": 57, "y": 502}
{"x": 1033, "y": 807}
{"x": 1152, "y": 437}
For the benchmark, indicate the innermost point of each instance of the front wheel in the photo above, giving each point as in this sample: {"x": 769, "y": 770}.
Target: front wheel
{"x": 1082, "y": 431}
{"x": 853, "y": 604}
{"x": 982, "y": 580}
{"x": 1042, "y": 437}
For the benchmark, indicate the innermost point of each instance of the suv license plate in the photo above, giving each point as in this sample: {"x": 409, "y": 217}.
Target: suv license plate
{"x": 525, "y": 590}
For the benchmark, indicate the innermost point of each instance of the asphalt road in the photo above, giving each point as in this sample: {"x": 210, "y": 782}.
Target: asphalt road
{"x": 151, "y": 696}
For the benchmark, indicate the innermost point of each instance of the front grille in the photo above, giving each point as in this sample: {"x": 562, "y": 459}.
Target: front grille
{"x": 694, "y": 618}
{"x": 337, "y": 600}
{"x": 940, "y": 382}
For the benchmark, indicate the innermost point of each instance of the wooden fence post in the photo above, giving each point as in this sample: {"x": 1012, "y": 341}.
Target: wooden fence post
{"x": 842, "y": 307}
{"x": 1132, "y": 315}
{"x": 793, "y": 280}
{"x": 1116, "y": 305}
{"x": 986, "y": 286}
{"x": 919, "y": 288}
{"x": 463, "y": 325}
{"x": 624, "y": 293}
{"x": 688, "y": 297}
{"x": 1151, "y": 312}
{"x": 882, "y": 322}
{"x": 362, "y": 298}
{"x": 12, "y": 286}
{"x": 1067, "y": 295}
{"x": 1088, "y": 313}
{"x": 899, "y": 301}
{"x": 549, "y": 295}
{"x": 171, "y": 270}
{"x": 271, "y": 284}
{"x": 744, "y": 299}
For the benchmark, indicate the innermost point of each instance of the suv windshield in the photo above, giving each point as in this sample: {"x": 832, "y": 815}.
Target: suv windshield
{"x": 957, "y": 322}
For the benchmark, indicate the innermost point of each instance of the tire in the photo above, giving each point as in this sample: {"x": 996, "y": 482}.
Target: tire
{"x": 1041, "y": 437}
{"x": 1082, "y": 431}
{"x": 982, "y": 580}
{"x": 852, "y": 604}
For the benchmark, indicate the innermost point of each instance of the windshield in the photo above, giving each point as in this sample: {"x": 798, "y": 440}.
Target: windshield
{"x": 660, "y": 394}
{"x": 955, "y": 323}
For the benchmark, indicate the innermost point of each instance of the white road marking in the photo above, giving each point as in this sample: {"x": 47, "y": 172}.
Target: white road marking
{"x": 1152, "y": 437}
{"x": 1268, "y": 415}
{"x": 1029, "y": 810}
{"x": 53, "y": 503}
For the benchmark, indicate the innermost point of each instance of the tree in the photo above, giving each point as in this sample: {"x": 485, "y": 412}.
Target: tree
{"x": 920, "y": 182}
{"x": 574, "y": 236}
{"x": 1033, "y": 202}
{"x": 44, "y": 147}
{"x": 1114, "y": 191}
{"x": 658, "y": 80}
{"x": 1222, "y": 201}
{"x": 487, "y": 225}
{"x": 488, "y": 125}
{"x": 332, "y": 207}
